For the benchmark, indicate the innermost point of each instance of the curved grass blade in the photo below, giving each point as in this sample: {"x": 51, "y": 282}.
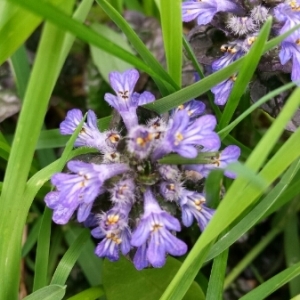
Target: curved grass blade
{"x": 42, "y": 251}
{"x": 139, "y": 46}
{"x": 92, "y": 293}
{"x": 170, "y": 15}
{"x": 216, "y": 279}
{"x": 16, "y": 25}
{"x": 245, "y": 74}
{"x": 273, "y": 284}
{"x": 50, "y": 292}
{"x": 225, "y": 131}
{"x": 64, "y": 22}
{"x": 69, "y": 259}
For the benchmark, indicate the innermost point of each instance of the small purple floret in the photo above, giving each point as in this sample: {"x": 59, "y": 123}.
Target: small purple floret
{"x": 192, "y": 206}
{"x": 154, "y": 231}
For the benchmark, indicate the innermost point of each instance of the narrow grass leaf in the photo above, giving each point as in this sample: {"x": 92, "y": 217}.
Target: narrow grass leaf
{"x": 175, "y": 159}
{"x": 273, "y": 284}
{"x": 170, "y": 15}
{"x": 21, "y": 69}
{"x": 69, "y": 259}
{"x": 225, "y": 131}
{"x": 42, "y": 251}
{"x": 292, "y": 249}
{"x": 50, "y": 292}
{"x": 16, "y": 25}
{"x": 245, "y": 74}
{"x": 14, "y": 211}
{"x": 90, "y": 264}
{"x": 216, "y": 279}
{"x": 193, "y": 58}
{"x": 92, "y": 293}
{"x": 32, "y": 237}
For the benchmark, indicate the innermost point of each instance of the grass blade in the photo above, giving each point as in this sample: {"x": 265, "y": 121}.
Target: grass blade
{"x": 170, "y": 12}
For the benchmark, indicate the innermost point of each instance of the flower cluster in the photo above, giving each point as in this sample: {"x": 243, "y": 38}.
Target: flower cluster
{"x": 240, "y": 22}
{"x": 148, "y": 201}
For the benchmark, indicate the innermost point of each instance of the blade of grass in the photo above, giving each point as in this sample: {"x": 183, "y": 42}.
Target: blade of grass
{"x": 139, "y": 46}
{"x": 225, "y": 131}
{"x": 92, "y": 293}
{"x": 245, "y": 74}
{"x": 14, "y": 209}
{"x": 193, "y": 58}
{"x": 16, "y": 25}
{"x": 42, "y": 251}
{"x": 216, "y": 280}
{"x": 170, "y": 13}
{"x": 292, "y": 248}
{"x": 273, "y": 284}
{"x": 50, "y": 292}
{"x": 69, "y": 259}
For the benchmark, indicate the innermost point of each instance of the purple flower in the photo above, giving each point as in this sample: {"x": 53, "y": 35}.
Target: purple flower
{"x": 170, "y": 190}
{"x": 126, "y": 101}
{"x": 79, "y": 190}
{"x": 115, "y": 234}
{"x": 182, "y": 136}
{"x": 229, "y": 155}
{"x": 241, "y": 25}
{"x": 291, "y": 50}
{"x": 223, "y": 90}
{"x": 194, "y": 108}
{"x": 153, "y": 230}
{"x": 140, "y": 141}
{"x": 204, "y": 10}
{"x": 233, "y": 52}
{"x": 123, "y": 192}
{"x": 89, "y": 135}
{"x": 259, "y": 14}
{"x": 169, "y": 172}
{"x": 192, "y": 206}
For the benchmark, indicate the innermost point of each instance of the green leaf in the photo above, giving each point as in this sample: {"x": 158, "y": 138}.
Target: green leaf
{"x": 16, "y": 25}
{"x": 216, "y": 280}
{"x": 140, "y": 48}
{"x": 90, "y": 264}
{"x": 53, "y": 49}
{"x": 273, "y": 284}
{"x": 92, "y": 293}
{"x": 50, "y": 292}
{"x": 69, "y": 259}
{"x": 121, "y": 280}
{"x": 292, "y": 248}
{"x": 42, "y": 252}
{"x": 225, "y": 131}
{"x": 171, "y": 23}
{"x": 104, "y": 61}
{"x": 175, "y": 159}
{"x": 64, "y": 22}
{"x": 250, "y": 63}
